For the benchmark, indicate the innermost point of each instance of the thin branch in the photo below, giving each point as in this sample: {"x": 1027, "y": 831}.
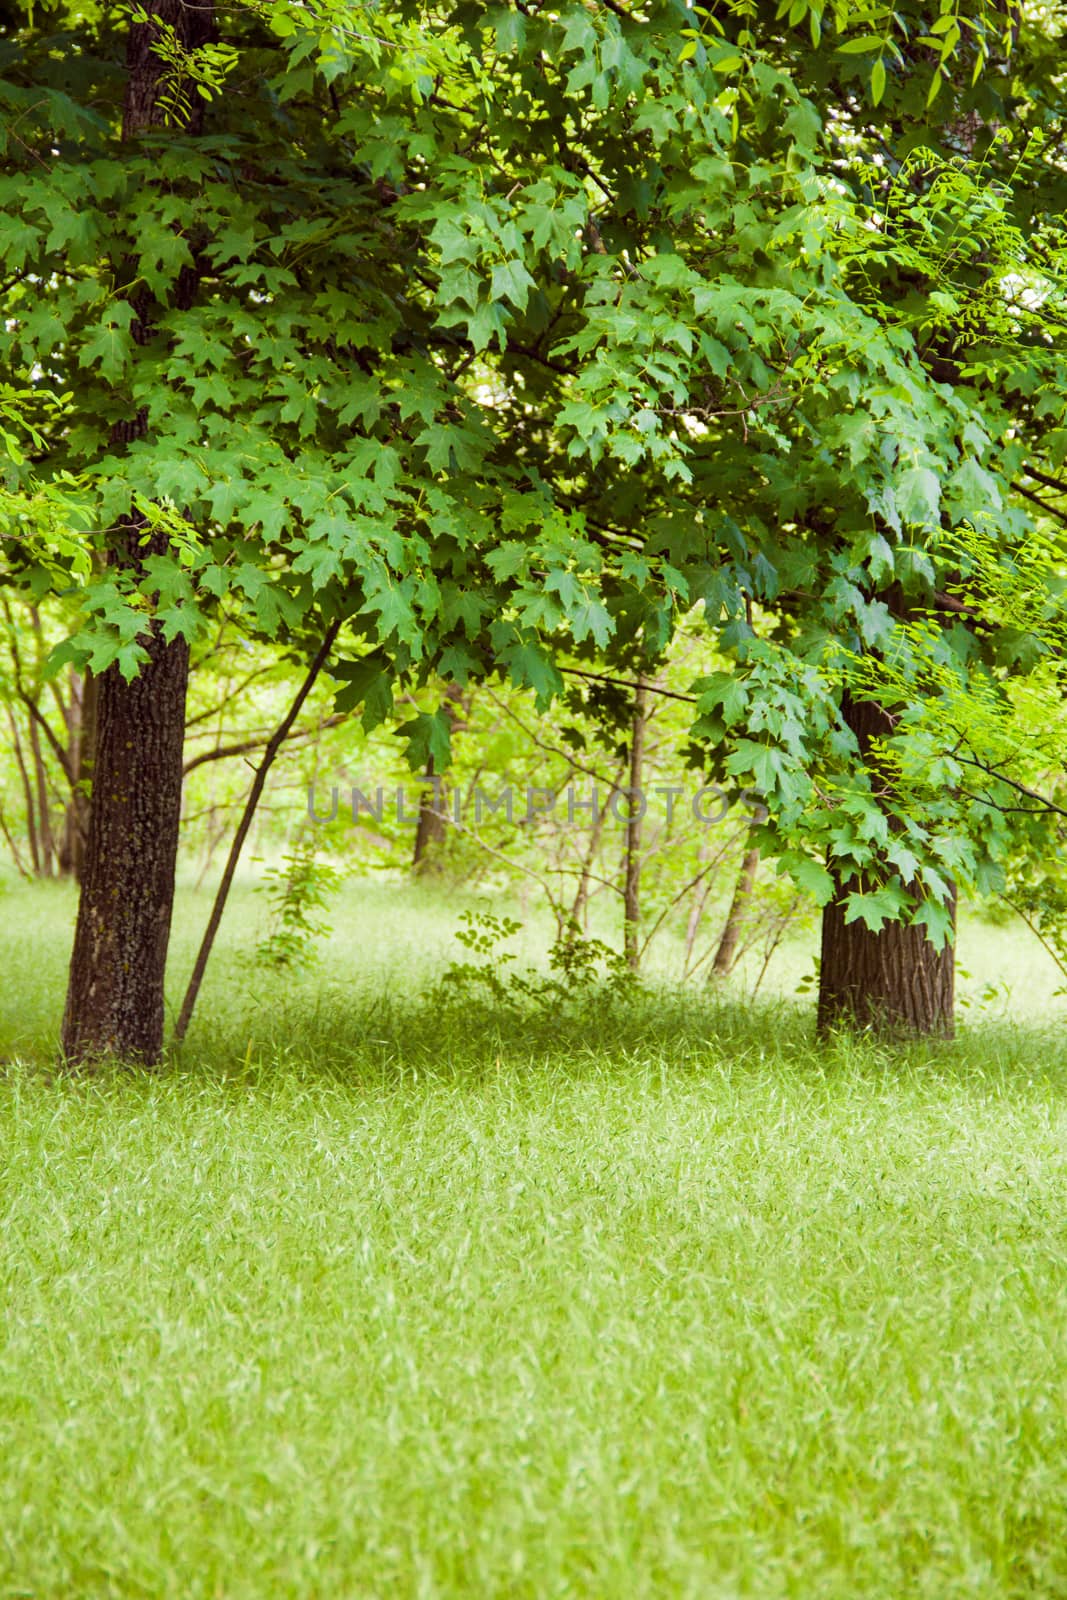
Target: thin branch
{"x": 704, "y": 872}
{"x": 42, "y": 722}
{"x": 223, "y": 751}
{"x": 1044, "y": 477}
{"x": 1050, "y": 511}
{"x": 551, "y": 749}
{"x": 1043, "y": 801}
{"x": 281, "y": 733}
{"x": 628, "y": 683}
{"x": 1035, "y": 930}
{"x": 231, "y": 694}
{"x": 16, "y": 854}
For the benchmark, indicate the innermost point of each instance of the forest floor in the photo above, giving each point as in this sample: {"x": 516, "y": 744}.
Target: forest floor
{"x": 382, "y": 1291}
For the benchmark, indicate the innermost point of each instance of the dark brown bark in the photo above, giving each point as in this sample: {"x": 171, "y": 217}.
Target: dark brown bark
{"x": 144, "y": 107}
{"x": 726, "y": 953}
{"x": 49, "y": 851}
{"x": 115, "y": 993}
{"x": 115, "y": 996}
{"x": 893, "y": 981}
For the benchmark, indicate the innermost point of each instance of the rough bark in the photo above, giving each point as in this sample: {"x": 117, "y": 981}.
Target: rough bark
{"x": 115, "y": 995}
{"x": 893, "y": 981}
{"x": 115, "y": 992}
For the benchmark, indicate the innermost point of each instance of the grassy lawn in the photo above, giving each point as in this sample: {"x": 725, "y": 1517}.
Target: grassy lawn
{"x": 363, "y": 1299}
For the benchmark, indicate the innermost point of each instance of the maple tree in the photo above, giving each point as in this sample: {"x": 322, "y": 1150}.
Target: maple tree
{"x": 493, "y": 337}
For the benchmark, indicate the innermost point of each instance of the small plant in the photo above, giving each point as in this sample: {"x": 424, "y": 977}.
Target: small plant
{"x": 581, "y": 968}
{"x": 483, "y": 932}
{"x": 585, "y": 963}
{"x": 809, "y": 983}
{"x": 297, "y": 890}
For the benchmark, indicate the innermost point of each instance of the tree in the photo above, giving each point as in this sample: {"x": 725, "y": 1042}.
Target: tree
{"x": 515, "y": 336}
{"x": 115, "y": 994}
{"x": 959, "y": 265}
{"x": 891, "y": 978}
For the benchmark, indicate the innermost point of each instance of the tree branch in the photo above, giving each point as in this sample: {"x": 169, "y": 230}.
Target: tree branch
{"x": 277, "y": 739}
{"x": 223, "y": 751}
{"x": 628, "y": 683}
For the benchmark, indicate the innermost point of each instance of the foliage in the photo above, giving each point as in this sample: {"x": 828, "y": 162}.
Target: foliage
{"x": 583, "y": 971}
{"x": 517, "y": 335}
{"x": 297, "y": 889}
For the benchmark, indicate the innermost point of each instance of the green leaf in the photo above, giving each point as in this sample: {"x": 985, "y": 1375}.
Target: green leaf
{"x": 529, "y": 665}
{"x": 854, "y": 47}
{"x": 874, "y": 910}
{"x": 511, "y": 281}
{"x": 810, "y": 876}
{"x": 918, "y": 495}
{"x": 428, "y": 739}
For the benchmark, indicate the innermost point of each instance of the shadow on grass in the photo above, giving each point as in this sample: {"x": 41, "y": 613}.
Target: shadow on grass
{"x": 393, "y": 1040}
{"x": 312, "y": 1030}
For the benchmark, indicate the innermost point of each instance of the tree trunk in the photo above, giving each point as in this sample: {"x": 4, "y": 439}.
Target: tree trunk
{"x": 81, "y": 745}
{"x": 115, "y": 996}
{"x": 631, "y": 894}
{"x": 432, "y": 827}
{"x": 893, "y": 981}
{"x": 115, "y": 993}
{"x": 726, "y": 953}
{"x": 27, "y": 792}
{"x": 44, "y": 809}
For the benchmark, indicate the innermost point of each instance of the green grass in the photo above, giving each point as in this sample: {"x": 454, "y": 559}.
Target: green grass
{"x": 359, "y": 1298}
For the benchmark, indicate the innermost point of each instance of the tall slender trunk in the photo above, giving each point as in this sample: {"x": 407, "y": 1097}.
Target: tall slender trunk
{"x": 631, "y": 894}
{"x": 432, "y": 826}
{"x": 44, "y": 809}
{"x": 81, "y": 744}
{"x": 894, "y": 981}
{"x": 579, "y": 914}
{"x": 115, "y": 993}
{"x": 27, "y": 792}
{"x": 726, "y": 953}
